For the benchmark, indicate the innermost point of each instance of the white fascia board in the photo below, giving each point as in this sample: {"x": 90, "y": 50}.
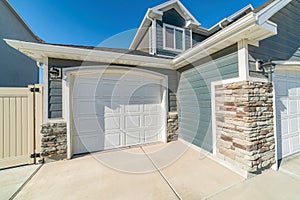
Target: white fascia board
{"x": 40, "y": 51}
{"x": 199, "y": 51}
{"x": 139, "y": 32}
{"x": 231, "y": 17}
{"x": 188, "y": 13}
{"x": 181, "y": 6}
{"x": 270, "y": 10}
{"x": 287, "y": 63}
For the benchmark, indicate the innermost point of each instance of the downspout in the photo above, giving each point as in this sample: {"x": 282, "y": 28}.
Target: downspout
{"x": 153, "y": 46}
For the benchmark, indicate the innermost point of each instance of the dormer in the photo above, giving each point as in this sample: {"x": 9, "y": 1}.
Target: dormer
{"x": 167, "y": 30}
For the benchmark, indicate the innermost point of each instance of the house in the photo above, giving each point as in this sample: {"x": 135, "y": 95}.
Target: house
{"x": 208, "y": 82}
{"x": 16, "y": 69}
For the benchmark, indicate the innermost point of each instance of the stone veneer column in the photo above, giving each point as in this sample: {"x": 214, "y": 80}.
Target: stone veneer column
{"x": 244, "y": 119}
{"x": 172, "y": 128}
{"x": 54, "y": 141}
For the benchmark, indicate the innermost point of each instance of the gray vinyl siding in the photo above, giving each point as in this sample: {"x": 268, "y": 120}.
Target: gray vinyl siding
{"x": 170, "y": 17}
{"x": 197, "y": 38}
{"x": 194, "y": 95}
{"x": 283, "y": 46}
{"x": 55, "y": 87}
{"x": 144, "y": 43}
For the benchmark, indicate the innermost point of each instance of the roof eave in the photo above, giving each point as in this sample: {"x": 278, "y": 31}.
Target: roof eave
{"x": 245, "y": 28}
{"x": 40, "y": 52}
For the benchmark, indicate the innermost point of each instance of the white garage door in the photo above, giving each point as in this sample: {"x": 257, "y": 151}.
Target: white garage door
{"x": 287, "y": 86}
{"x": 113, "y": 110}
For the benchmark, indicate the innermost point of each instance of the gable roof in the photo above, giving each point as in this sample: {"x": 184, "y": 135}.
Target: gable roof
{"x": 191, "y": 22}
{"x": 157, "y": 12}
{"x": 25, "y": 25}
{"x": 254, "y": 26}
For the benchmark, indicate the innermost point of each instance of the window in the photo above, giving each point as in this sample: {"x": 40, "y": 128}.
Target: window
{"x": 173, "y": 38}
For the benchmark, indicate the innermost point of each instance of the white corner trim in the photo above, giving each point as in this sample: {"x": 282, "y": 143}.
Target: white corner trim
{"x": 276, "y": 165}
{"x": 243, "y": 59}
{"x": 67, "y": 87}
{"x": 46, "y": 90}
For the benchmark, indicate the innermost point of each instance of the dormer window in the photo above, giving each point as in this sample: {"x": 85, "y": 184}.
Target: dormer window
{"x": 173, "y": 38}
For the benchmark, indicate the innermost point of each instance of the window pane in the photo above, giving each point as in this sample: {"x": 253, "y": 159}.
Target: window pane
{"x": 169, "y": 37}
{"x": 179, "y": 39}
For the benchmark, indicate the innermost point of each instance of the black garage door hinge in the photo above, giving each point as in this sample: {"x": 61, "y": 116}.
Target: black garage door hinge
{"x": 35, "y": 155}
{"x": 34, "y": 89}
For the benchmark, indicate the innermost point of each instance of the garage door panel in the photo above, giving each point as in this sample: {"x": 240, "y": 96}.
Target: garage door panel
{"x": 116, "y": 110}
{"x": 133, "y": 108}
{"x": 284, "y": 127}
{"x": 82, "y": 90}
{"x": 112, "y": 123}
{"x": 287, "y": 87}
{"x": 133, "y": 137}
{"x": 88, "y": 143}
{"x": 83, "y": 125}
{"x": 295, "y": 143}
{"x": 133, "y": 121}
{"x": 293, "y": 107}
{"x": 294, "y": 125}
{"x": 151, "y": 135}
{"x": 112, "y": 140}
{"x": 152, "y": 108}
{"x": 281, "y": 88}
{"x": 152, "y": 121}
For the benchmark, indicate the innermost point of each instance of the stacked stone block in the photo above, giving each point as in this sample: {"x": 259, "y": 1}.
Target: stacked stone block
{"x": 172, "y": 126}
{"x": 54, "y": 141}
{"x": 244, "y": 119}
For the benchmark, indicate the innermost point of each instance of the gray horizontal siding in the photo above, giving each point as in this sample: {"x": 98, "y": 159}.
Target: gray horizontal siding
{"x": 55, "y": 87}
{"x": 197, "y": 38}
{"x": 194, "y": 94}
{"x": 55, "y": 99}
{"x": 283, "y": 46}
{"x": 144, "y": 43}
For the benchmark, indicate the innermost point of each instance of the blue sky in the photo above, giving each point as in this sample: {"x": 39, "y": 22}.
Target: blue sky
{"x": 110, "y": 23}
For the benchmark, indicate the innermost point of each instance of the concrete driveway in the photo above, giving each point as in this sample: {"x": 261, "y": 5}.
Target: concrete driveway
{"x": 160, "y": 171}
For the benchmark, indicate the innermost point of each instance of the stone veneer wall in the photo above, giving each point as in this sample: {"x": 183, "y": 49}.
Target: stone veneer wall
{"x": 54, "y": 141}
{"x": 172, "y": 128}
{"x": 244, "y": 119}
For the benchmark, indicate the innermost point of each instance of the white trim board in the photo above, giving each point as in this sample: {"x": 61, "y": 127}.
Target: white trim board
{"x": 39, "y": 51}
{"x": 174, "y": 39}
{"x": 67, "y": 85}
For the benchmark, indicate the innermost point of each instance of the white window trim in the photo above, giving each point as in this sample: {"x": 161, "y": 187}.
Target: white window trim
{"x": 164, "y": 38}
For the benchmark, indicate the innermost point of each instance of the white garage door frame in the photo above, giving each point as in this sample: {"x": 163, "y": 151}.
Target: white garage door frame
{"x": 281, "y": 66}
{"x": 67, "y": 93}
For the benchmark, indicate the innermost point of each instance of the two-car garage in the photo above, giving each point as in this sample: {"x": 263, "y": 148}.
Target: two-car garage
{"x": 115, "y": 108}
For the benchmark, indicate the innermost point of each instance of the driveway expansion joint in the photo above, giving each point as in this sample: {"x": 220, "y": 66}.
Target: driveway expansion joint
{"x": 25, "y": 183}
{"x": 161, "y": 174}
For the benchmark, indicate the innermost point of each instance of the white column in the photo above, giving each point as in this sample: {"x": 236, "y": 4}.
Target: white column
{"x": 243, "y": 59}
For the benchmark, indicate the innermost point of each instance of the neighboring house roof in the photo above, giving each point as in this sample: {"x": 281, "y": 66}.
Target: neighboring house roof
{"x": 26, "y": 26}
{"x": 254, "y": 26}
